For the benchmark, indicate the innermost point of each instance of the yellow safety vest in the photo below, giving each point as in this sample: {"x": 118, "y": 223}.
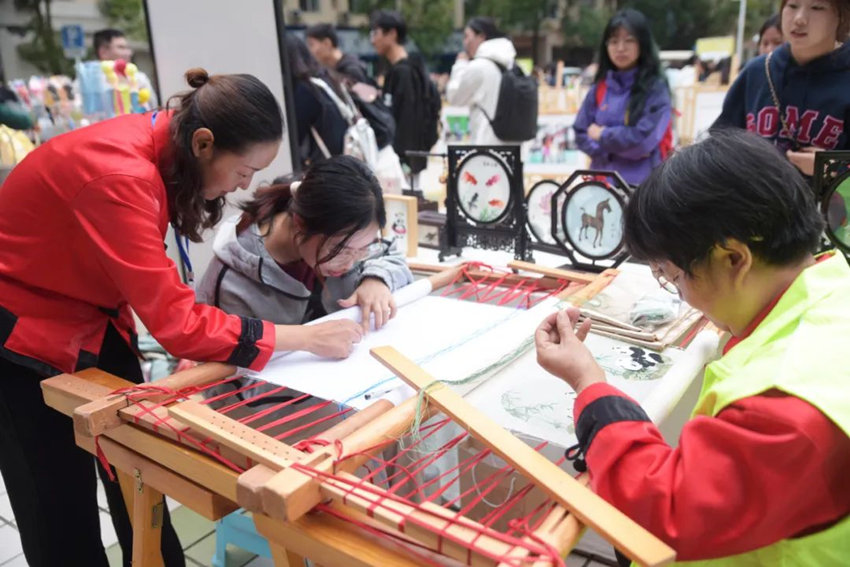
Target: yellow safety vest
{"x": 800, "y": 348}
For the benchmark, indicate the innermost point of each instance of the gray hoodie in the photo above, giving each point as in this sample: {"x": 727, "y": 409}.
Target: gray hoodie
{"x": 244, "y": 279}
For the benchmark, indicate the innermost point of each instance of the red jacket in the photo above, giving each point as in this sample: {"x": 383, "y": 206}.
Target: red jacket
{"x": 82, "y": 224}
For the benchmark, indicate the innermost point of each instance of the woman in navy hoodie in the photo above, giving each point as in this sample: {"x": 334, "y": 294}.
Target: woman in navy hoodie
{"x": 797, "y": 96}
{"x": 625, "y": 116}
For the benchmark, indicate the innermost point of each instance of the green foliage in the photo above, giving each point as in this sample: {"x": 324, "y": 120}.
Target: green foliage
{"x": 513, "y": 15}
{"x": 44, "y": 49}
{"x": 126, "y": 15}
{"x": 676, "y": 24}
{"x": 586, "y": 31}
{"x": 429, "y": 22}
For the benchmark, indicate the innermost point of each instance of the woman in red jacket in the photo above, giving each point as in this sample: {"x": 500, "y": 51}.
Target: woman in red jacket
{"x": 81, "y": 243}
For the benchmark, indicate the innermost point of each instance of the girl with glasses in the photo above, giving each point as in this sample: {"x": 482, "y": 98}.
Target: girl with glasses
{"x": 626, "y": 115}
{"x": 303, "y": 249}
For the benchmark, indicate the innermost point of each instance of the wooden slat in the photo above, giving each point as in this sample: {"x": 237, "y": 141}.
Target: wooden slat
{"x": 482, "y": 276}
{"x": 97, "y": 416}
{"x": 148, "y": 513}
{"x": 249, "y": 487}
{"x": 351, "y": 424}
{"x": 256, "y": 445}
{"x": 590, "y": 509}
{"x": 556, "y": 273}
{"x": 198, "y": 498}
{"x": 423, "y": 522}
{"x": 590, "y": 290}
{"x": 331, "y": 541}
{"x": 292, "y": 494}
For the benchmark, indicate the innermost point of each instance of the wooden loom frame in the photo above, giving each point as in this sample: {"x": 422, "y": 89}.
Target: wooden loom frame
{"x": 279, "y": 495}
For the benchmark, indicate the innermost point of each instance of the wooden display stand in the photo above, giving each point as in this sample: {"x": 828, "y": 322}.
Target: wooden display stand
{"x": 311, "y": 504}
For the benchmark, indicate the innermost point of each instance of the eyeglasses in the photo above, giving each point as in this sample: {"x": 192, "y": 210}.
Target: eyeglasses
{"x": 377, "y": 248}
{"x": 670, "y": 286}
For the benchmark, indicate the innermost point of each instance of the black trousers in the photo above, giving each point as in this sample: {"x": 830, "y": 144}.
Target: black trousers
{"x": 51, "y": 482}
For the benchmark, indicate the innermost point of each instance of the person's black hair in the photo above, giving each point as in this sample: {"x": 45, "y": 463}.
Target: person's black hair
{"x": 323, "y": 31}
{"x": 648, "y": 63}
{"x": 732, "y": 185}
{"x": 303, "y": 66}
{"x": 387, "y": 20}
{"x": 485, "y": 26}
{"x": 772, "y": 22}
{"x": 337, "y": 196}
{"x": 103, "y": 38}
{"x": 240, "y": 111}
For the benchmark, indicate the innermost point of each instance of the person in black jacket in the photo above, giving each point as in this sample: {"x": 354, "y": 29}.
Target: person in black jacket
{"x": 796, "y": 96}
{"x": 320, "y": 125}
{"x": 408, "y": 90}
{"x": 323, "y": 42}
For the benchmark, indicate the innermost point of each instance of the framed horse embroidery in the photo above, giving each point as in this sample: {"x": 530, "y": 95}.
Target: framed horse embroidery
{"x": 587, "y": 219}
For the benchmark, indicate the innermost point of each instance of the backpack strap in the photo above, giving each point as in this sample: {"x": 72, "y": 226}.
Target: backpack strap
{"x": 321, "y": 143}
{"x": 346, "y": 108}
{"x": 502, "y": 69}
{"x": 601, "y": 89}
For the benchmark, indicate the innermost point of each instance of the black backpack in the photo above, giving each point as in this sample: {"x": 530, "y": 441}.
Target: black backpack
{"x": 516, "y": 110}
{"x": 429, "y": 104}
{"x": 371, "y": 106}
{"x": 433, "y": 105}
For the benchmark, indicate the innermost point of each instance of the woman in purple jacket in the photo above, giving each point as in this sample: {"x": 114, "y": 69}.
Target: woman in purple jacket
{"x": 626, "y": 114}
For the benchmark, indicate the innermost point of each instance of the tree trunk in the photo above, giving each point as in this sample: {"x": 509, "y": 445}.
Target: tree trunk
{"x": 50, "y": 41}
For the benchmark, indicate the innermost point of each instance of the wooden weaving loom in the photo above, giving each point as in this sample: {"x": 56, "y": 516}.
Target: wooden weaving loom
{"x": 361, "y": 491}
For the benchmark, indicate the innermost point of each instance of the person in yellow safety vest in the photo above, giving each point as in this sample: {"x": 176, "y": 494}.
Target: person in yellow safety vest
{"x": 760, "y": 473}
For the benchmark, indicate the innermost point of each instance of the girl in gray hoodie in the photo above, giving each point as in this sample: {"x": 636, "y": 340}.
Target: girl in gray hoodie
{"x": 302, "y": 250}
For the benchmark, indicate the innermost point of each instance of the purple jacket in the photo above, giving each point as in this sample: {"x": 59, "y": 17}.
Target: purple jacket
{"x": 631, "y": 150}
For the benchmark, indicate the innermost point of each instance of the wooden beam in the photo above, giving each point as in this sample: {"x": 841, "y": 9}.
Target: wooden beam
{"x": 351, "y": 424}
{"x": 483, "y": 276}
{"x": 148, "y": 513}
{"x": 431, "y": 525}
{"x": 590, "y": 290}
{"x": 590, "y": 509}
{"x": 256, "y": 445}
{"x": 97, "y": 416}
{"x": 291, "y": 493}
{"x": 327, "y": 540}
{"x": 198, "y": 498}
{"x": 557, "y": 273}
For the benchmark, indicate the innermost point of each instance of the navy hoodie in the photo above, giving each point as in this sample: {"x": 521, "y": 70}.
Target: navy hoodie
{"x": 815, "y": 99}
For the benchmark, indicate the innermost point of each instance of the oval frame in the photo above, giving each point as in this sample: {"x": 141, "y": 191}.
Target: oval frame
{"x": 580, "y": 248}
{"x": 547, "y": 238}
{"x": 506, "y": 171}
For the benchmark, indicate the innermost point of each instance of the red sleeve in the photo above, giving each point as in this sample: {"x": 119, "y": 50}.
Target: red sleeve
{"x": 119, "y": 214}
{"x": 766, "y": 468}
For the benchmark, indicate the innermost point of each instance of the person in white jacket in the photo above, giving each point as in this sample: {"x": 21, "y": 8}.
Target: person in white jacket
{"x": 477, "y": 75}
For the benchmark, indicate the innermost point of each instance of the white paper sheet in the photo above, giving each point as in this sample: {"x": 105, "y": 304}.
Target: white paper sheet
{"x": 423, "y": 330}
{"x": 526, "y": 399}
